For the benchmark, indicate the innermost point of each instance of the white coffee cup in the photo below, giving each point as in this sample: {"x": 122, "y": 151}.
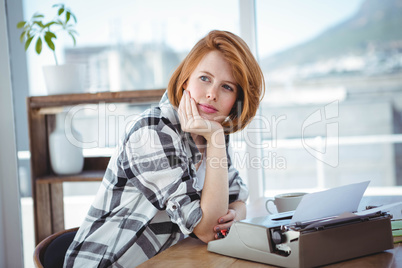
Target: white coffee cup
{"x": 285, "y": 202}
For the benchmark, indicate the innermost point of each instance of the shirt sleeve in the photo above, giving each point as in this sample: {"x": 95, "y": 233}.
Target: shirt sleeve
{"x": 237, "y": 189}
{"x": 155, "y": 162}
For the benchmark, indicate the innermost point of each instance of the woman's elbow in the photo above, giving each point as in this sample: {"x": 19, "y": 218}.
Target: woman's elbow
{"x": 204, "y": 236}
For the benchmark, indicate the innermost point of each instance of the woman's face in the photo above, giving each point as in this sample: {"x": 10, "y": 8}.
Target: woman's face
{"x": 213, "y": 87}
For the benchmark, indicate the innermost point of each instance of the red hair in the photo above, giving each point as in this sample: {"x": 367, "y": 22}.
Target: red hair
{"x": 246, "y": 72}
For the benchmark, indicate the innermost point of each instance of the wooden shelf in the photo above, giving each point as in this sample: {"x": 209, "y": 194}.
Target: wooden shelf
{"x": 95, "y": 175}
{"x": 136, "y": 96}
{"x": 47, "y": 187}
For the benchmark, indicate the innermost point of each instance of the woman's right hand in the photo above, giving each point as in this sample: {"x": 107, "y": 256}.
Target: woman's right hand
{"x": 191, "y": 121}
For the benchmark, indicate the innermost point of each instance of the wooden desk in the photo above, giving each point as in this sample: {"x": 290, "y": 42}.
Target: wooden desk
{"x": 192, "y": 252}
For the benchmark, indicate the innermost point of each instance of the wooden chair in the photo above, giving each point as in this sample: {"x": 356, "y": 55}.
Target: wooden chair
{"x": 50, "y": 251}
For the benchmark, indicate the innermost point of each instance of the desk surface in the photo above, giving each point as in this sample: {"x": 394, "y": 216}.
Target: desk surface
{"x": 192, "y": 252}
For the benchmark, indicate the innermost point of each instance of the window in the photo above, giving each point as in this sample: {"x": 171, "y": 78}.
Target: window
{"x": 333, "y": 71}
{"x": 129, "y": 45}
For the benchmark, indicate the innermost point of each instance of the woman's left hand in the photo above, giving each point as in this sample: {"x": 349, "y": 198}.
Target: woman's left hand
{"x": 225, "y": 222}
{"x": 191, "y": 121}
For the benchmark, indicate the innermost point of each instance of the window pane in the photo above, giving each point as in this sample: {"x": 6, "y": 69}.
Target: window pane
{"x": 333, "y": 72}
{"x": 128, "y": 45}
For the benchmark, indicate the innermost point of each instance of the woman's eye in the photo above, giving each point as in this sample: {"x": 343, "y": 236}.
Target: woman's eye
{"x": 227, "y": 87}
{"x": 204, "y": 78}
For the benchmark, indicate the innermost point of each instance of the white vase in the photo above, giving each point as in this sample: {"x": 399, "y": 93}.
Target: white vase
{"x": 66, "y": 155}
{"x": 64, "y": 79}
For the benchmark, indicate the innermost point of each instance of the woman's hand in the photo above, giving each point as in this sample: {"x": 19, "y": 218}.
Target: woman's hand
{"x": 192, "y": 122}
{"x": 225, "y": 222}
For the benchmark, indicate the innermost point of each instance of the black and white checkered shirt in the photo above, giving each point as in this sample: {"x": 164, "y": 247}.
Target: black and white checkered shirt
{"x": 149, "y": 198}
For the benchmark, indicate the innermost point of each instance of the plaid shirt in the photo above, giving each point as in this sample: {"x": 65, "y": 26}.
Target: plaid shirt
{"x": 149, "y": 198}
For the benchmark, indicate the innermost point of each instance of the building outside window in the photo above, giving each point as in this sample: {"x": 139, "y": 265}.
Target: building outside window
{"x": 333, "y": 102}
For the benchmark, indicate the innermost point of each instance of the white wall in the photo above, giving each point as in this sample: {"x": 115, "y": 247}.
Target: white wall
{"x": 10, "y": 222}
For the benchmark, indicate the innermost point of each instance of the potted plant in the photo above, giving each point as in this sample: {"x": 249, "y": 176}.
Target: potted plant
{"x": 66, "y": 78}
{"x": 65, "y": 157}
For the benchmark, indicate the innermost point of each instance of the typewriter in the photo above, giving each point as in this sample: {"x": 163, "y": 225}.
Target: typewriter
{"x": 275, "y": 240}
{"x": 325, "y": 228}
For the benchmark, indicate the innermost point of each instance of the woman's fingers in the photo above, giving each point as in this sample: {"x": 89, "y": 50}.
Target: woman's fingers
{"x": 230, "y": 216}
{"x": 193, "y": 120}
{"x": 182, "y": 111}
{"x": 194, "y": 109}
{"x": 189, "y": 111}
{"x": 226, "y": 221}
{"x": 224, "y": 226}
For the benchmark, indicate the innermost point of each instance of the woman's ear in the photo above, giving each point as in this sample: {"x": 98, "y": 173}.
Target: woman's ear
{"x": 185, "y": 85}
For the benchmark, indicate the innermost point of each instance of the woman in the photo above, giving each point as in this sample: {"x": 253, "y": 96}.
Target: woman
{"x": 171, "y": 175}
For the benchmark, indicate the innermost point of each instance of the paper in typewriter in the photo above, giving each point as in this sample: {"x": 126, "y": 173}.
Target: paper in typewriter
{"x": 330, "y": 203}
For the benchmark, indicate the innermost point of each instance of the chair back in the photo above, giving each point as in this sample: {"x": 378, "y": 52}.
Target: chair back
{"x": 50, "y": 252}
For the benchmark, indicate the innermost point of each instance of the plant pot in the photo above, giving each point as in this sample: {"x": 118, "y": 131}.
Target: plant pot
{"x": 64, "y": 79}
{"x": 66, "y": 156}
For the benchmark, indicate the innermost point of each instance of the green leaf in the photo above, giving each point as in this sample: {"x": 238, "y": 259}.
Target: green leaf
{"x": 68, "y": 14}
{"x": 61, "y": 10}
{"x": 21, "y": 24}
{"x": 39, "y": 23}
{"x": 47, "y": 25}
{"x": 74, "y": 17}
{"x": 38, "y": 47}
{"x": 50, "y": 35}
{"x": 37, "y": 15}
{"x": 22, "y": 36}
{"x": 28, "y": 42}
{"x": 49, "y": 42}
{"x": 72, "y": 36}
{"x": 27, "y": 27}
